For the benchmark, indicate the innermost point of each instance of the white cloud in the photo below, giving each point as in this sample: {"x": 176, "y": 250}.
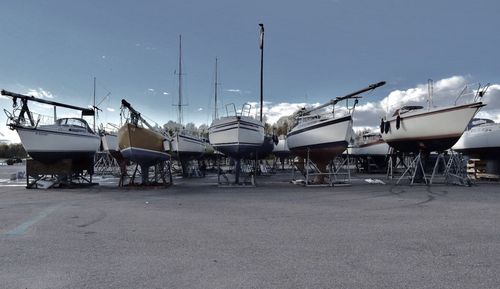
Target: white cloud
{"x": 151, "y": 89}
{"x": 40, "y": 93}
{"x": 273, "y": 112}
{"x": 110, "y": 109}
{"x": 233, "y": 90}
{"x": 445, "y": 92}
{"x": 200, "y": 109}
{"x": 368, "y": 114}
{"x": 9, "y": 135}
{"x": 165, "y": 93}
{"x": 145, "y": 46}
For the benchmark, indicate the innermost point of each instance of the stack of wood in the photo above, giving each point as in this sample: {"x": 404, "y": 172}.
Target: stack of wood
{"x": 476, "y": 169}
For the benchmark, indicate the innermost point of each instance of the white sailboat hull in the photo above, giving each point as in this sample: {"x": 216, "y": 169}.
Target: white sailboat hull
{"x": 185, "y": 146}
{"x": 434, "y": 130}
{"x": 49, "y": 146}
{"x": 281, "y": 149}
{"x": 236, "y": 136}
{"x": 481, "y": 141}
{"x": 370, "y": 149}
{"x": 323, "y": 139}
{"x": 110, "y": 142}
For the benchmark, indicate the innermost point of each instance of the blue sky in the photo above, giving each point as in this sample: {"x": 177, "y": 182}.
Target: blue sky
{"x": 314, "y": 50}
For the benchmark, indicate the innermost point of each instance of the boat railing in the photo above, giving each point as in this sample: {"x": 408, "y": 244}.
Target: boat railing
{"x": 231, "y": 110}
{"x": 15, "y": 118}
{"x": 245, "y": 109}
{"x": 475, "y": 94}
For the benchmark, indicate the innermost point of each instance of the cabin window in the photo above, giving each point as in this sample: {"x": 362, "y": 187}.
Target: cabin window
{"x": 74, "y": 122}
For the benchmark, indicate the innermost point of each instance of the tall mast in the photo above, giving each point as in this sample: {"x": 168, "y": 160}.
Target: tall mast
{"x": 179, "y": 104}
{"x": 261, "y": 45}
{"x": 215, "y": 110}
{"x": 94, "y": 104}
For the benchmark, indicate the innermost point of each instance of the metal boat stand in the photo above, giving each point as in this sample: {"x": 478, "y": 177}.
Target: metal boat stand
{"x": 415, "y": 169}
{"x": 187, "y": 169}
{"x": 244, "y": 174}
{"x": 341, "y": 168}
{"x": 448, "y": 168}
{"x": 193, "y": 170}
{"x": 158, "y": 174}
{"x": 394, "y": 161}
{"x": 338, "y": 172}
{"x": 105, "y": 164}
{"x": 455, "y": 169}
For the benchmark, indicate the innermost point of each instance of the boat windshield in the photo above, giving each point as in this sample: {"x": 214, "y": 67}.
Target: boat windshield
{"x": 74, "y": 122}
{"x": 406, "y": 109}
{"x": 478, "y": 122}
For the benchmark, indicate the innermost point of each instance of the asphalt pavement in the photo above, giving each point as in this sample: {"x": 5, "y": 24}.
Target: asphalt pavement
{"x": 195, "y": 234}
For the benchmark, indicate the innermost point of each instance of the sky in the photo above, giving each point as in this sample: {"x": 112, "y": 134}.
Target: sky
{"x": 314, "y": 51}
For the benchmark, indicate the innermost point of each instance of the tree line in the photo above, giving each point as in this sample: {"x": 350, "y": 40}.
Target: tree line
{"x": 8, "y": 151}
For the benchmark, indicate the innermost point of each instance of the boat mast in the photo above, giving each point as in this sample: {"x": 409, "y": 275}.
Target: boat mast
{"x": 15, "y": 96}
{"x": 261, "y": 45}
{"x": 179, "y": 104}
{"x": 94, "y": 107}
{"x": 215, "y": 92}
{"x": 430, "y": 90}
{"x": 340, "y": 98}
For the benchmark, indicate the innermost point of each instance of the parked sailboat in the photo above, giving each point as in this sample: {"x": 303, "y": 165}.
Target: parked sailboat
{"x": 369, "y": 144}
{"x": 140, "y": 142}
{"x": 185, "y": 144}
{"x": 414, "y": 129}
{"x": 64, "y": 138}
{"x": 369, "y": 151}
{"x": 281, "y": 149}
{"x": 322, "y": 137}
{"x": 480, "y": 140}
{"x": 109, "y": 141}
{"x": 236, "y": 135}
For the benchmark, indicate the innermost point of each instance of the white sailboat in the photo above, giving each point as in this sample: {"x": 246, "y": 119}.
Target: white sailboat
{"x": 185, "y": 145}
{"x": 109, "y": 137}
{"x": 281, "y": 149}
{"x": 481, "y": 140}
{"x": 64, "y": 138}
{"x": 369, "y": 144}
{"x": 237, "y": 135}
{"x": 414, "y": 129}
{"x": 322, "y": 137}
